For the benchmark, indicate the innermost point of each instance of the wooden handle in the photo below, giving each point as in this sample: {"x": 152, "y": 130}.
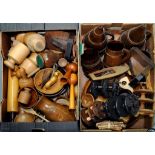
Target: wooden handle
{"x": 66, "y": 76}
{"x": 126, "y": 55}
{"x": 72, "y": 97}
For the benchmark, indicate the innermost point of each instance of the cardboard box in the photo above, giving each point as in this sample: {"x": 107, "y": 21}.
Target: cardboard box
{"x": 7, "y": 30}
{"x": 144, "y": 123}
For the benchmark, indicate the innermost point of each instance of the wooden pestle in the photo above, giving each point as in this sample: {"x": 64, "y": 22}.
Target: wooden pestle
{"x": 52, "y": 80}
{"x": 70, "y": 68}
{"x": 72, "y": 81}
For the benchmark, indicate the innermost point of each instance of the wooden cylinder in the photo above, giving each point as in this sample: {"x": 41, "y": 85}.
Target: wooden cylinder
{"x": 16, "y": 55}
{"x": 12, "y": 96}
{"x": 54, "y": 111}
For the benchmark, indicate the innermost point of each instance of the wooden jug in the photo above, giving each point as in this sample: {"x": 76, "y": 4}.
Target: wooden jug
{"x": 116, "y": 54}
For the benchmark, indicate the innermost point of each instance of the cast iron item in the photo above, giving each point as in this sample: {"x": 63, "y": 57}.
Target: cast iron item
{"x": 104, "y": 87}
{"x": 126, "y": 104}
{"x": 122, "y": 105}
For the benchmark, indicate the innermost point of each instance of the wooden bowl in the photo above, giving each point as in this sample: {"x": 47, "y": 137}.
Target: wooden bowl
{"x": 55, "y": 88}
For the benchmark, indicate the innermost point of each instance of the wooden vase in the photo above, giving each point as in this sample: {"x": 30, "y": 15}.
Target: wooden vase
{"x": 12, "y": 96}
{"x": 54, "y": 111}
{"x": 16, "y": 55}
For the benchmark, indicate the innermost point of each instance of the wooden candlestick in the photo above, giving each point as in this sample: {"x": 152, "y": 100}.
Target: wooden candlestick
{"x": 73, "y": 80}
{"x": 70, "y": 68}
{"x": 16, "y": 55}
{"x": 12, "y": 96}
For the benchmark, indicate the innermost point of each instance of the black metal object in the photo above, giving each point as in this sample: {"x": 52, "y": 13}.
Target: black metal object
{"x": 107, "y": 88}
{"x": 122, "y": 105}
{"x": 126, "y": 104}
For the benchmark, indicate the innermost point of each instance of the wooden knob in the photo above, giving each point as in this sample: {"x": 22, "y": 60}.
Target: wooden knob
{"x": 70, "y": 68}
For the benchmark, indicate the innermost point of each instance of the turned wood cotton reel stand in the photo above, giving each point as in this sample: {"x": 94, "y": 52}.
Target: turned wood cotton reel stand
{"x": 144, "y": 91}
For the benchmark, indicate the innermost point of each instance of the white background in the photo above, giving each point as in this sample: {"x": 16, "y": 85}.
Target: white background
{"x": 84, "y": 11}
